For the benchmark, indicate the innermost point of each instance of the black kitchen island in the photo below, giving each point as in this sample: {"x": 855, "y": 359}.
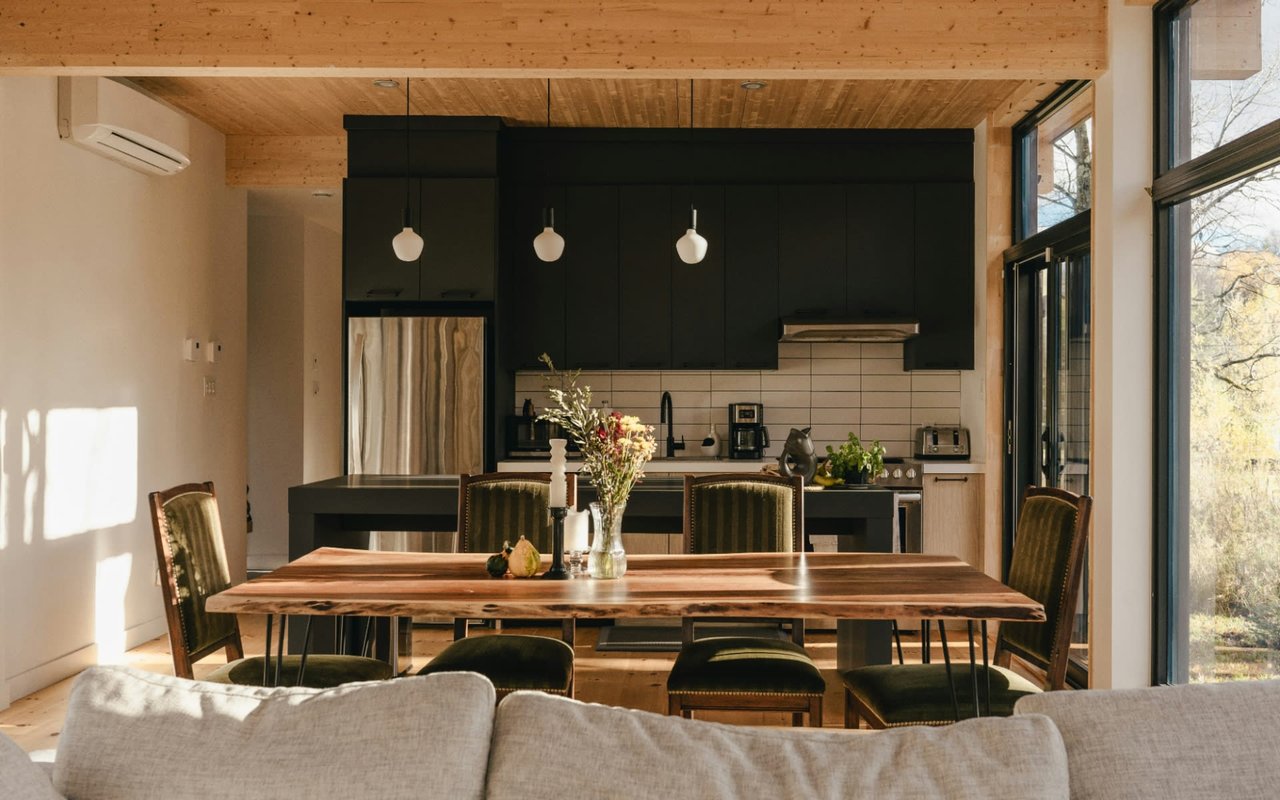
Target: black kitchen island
{"x": 340, "y": 512}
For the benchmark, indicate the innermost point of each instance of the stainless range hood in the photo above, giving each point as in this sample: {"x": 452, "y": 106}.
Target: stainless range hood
{"x": 832, "y": 330}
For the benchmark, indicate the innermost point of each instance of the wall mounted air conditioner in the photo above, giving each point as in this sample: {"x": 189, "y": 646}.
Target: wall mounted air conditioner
{"x": 117, "y": 121}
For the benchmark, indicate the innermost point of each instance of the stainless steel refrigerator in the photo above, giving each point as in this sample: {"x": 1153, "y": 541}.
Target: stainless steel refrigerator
{"x": 415, "y": 406}
{"x": 415, "y": 395}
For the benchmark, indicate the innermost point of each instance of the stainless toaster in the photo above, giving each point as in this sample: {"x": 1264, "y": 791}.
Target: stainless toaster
{"x": 942, "y": 441}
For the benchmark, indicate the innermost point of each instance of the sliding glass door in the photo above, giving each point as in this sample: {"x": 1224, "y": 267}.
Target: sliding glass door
{"x": 1048, "y": 382}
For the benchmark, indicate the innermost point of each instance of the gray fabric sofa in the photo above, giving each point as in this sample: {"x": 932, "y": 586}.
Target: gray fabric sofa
{"x": 132, "y": 734}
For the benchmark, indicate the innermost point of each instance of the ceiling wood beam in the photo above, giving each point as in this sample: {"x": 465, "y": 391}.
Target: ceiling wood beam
{"x": 260, "y": 161}
{"x": 941, "y": 39}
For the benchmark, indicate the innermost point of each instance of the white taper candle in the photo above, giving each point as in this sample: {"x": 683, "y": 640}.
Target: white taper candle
{"x": 559, "y": 488}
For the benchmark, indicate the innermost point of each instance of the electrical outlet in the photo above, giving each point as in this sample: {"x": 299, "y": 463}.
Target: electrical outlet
{"x": 210, "y": 386}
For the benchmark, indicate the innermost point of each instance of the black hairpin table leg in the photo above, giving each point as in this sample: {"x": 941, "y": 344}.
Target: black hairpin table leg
{"x": 266, "y": 659}
{"x": 973, "y": 672}
{"x": 946, "y": 656}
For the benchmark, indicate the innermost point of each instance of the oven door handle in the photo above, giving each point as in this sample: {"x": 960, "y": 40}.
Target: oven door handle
{"x": 909, "y": 497}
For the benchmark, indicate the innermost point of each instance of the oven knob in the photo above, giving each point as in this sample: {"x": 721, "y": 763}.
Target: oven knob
{"x": 911, "y": 472}
{"x": 897, "y": 473}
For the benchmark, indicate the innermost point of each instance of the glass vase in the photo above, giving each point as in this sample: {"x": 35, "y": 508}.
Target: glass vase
{"x": 608, "y": 559}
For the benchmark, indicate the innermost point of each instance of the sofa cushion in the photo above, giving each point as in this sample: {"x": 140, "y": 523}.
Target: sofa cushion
{"x": 547, "y": 748}
{"x": 20, "y": 777}
{"x": 132, "y": 734}
{"x": 1202, "y": 741}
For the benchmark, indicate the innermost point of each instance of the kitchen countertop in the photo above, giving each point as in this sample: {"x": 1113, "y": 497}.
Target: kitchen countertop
{"x": 658, "y": 466}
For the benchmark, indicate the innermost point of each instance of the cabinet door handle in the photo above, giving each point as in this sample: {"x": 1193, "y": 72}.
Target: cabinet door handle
{"x": 458, "y": 294}
{"x": 644, "y": 365}
{"x": 387, "y": 292}
{"x": 698, "y": 365}
{"x": 811, "y": 312}
{"x": 951, "y": 479}
{"x": 592, "y": 365}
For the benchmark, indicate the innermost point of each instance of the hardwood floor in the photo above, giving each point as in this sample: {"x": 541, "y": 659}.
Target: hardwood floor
{"x": 633, "y": 680}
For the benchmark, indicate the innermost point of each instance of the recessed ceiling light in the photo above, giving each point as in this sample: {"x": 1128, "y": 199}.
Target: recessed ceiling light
{"x": 386, "y": 83}
{"x": 322, "y": 193}
{"x": 752, "y": 86}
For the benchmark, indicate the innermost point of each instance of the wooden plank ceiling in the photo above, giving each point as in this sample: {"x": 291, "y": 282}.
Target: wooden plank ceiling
{"x": 314, "y": 106}
{"x": 939, "y": 39}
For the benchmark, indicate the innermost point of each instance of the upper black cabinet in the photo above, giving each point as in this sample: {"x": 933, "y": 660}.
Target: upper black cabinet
{"x": 944, "y": 278}
{"x": 457, "y": 219}
{"x": 460, "y": 228}
{"x": 697, "y": 290}
{"x": 811, "y": 257}
{"x": 531, "y": 317}
{"x": 880, "y": 248}
{"x": 645, "y": 245}
{"x": 590, "y": 301}
{"x": 372, "y": 214}
{"x": 751, "y": 277}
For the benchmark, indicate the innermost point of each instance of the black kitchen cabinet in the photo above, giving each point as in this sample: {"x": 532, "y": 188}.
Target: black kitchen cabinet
{"x": 372, "y": 214}
{"x": 944, "y": 278}
{"x": 880, "y": 251}
{"x": 591, "y": 276}
{"x": 645, "y": 246}
{"x": 460, "y": 228}
{"x": 457, "y": 219}
{"x": 697, "y": 290}
{"x": 751, "y": 277}
{"x": 532, "y": 315}
{"x": 811, "y": 257}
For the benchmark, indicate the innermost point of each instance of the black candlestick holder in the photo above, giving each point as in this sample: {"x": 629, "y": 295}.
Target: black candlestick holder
{"x": 557, "y": 571}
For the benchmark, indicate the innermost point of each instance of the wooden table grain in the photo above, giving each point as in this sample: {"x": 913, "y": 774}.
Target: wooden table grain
{"x": 865, "y": 586}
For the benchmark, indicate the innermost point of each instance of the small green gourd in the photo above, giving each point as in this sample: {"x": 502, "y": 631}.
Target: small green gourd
{"x": 498, "y": 562}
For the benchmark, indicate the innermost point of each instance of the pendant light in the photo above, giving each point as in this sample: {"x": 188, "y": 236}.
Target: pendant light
{"x": 407, "y": 243}
{"x": 691, "y": 247}
{"x": 548, "y": 245}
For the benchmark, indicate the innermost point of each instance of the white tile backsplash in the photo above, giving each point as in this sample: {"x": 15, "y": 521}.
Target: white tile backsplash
{"x": 835, "y": 388}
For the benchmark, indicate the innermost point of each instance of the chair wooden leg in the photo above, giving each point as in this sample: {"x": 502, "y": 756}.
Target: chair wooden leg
{"x": 850, "y": 714}
{"x": 815, "y": 712}
{"x": 673, "y": 706}
{"x": 569, "y": 631}
{"x": 686, "y": 631}
{"x": 797, "y": 719}
{"x": 460, "y": 629}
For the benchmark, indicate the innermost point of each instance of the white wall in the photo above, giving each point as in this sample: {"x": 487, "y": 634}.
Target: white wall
{"x": 103, "y": 272}
{"x": 1122, "y": 297}
{"x": 295, "y": 357}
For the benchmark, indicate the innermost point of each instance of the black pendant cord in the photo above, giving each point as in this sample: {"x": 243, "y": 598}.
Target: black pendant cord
{"x": 693, "y": 211}
{"x": 406, "y": 152}
{"x": 548, "y": 214}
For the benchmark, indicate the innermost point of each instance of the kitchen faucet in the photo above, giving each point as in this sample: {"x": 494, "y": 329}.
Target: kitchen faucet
{"x": 667, "y": 416}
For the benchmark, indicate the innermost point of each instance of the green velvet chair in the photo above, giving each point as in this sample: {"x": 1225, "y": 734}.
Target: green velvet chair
{"x": 744, "y": 513}
{"x": 493, "y": 508}
{"x": 193, "y": 566}
{"x": 1048, "y": 559}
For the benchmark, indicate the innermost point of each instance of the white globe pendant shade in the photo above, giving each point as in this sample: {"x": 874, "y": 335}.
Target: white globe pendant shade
{"x": 548, "y": 245}
{"x": 407, "y": 244}
{"x": 691, "y": 247}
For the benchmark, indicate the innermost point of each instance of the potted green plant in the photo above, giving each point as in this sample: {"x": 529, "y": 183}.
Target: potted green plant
{"x": 854, "y": 463}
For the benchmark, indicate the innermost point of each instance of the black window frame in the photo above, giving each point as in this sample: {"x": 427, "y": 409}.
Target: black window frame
{"x": 1173, "y": 184}
{"x": 1022, "y": 199}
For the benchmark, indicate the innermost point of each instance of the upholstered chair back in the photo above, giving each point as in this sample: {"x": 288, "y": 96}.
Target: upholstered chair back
{"x": 1048, "y": 558}
{"x": 503, "y": 506}
{"x": 193, "y": 566}
{"x": 742, "y": 514}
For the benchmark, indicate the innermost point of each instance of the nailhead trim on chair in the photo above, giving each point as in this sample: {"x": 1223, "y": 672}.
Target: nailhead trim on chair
{"x": 749, "y": 694}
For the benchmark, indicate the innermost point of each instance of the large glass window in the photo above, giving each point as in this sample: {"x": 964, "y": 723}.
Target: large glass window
{"x": 1055, "y": 162}
{"x": 1227, "y": 53}
{"x": 1218, "y": 328}
{"x": 1231, "y": 246}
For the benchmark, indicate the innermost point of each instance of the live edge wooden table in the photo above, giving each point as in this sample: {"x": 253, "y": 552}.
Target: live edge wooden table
{"x": 863, "y": 586}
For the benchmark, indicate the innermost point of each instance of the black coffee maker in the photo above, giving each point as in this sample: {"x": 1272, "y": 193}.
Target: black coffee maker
{"x": 748, "y": 437}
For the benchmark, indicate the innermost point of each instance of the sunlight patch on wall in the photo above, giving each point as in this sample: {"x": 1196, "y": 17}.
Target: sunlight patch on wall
{"x": 30, "y": 474}
{"x": 91, "y": 470}
{"x": 109, "y": 616}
